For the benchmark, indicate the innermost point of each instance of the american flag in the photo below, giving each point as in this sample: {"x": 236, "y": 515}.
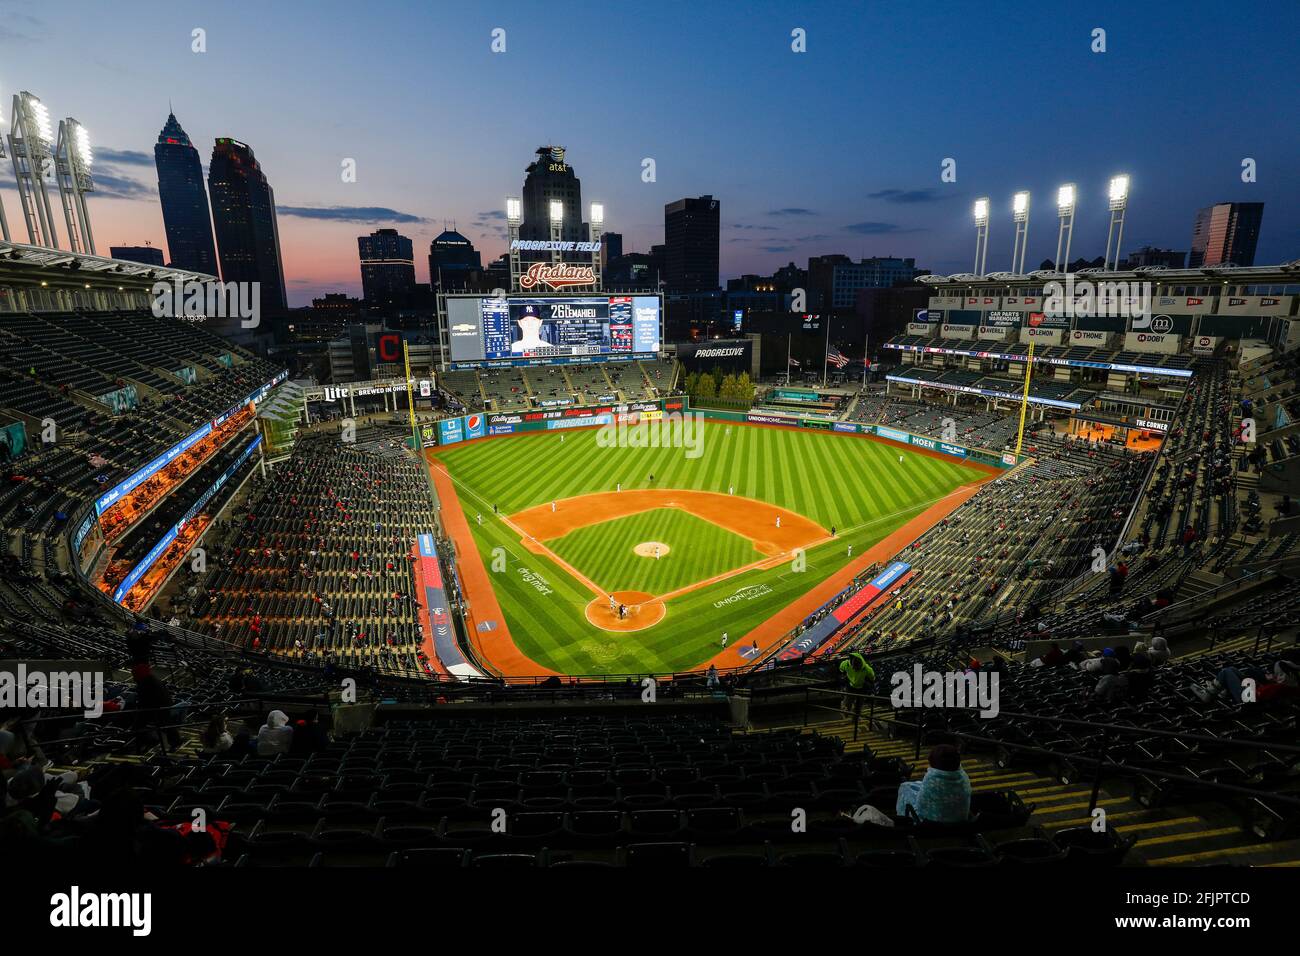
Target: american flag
{"x": 794, "y": 361}
{"x": 836, "y": 358}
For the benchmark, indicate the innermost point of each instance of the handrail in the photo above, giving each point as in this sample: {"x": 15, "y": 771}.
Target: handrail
{"x": 1074, "y": 721}
{"x": 1235, "y": 582}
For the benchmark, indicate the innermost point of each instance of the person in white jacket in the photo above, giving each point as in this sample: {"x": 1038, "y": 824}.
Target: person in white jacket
{"x": 275, "y": 736}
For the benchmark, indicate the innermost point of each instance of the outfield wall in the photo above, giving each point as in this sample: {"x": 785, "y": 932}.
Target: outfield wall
{"x": 979, "y": 456}
{"x": 453, "y": 431}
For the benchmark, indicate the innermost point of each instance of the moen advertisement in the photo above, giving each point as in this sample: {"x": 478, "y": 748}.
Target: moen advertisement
{"x": 548, "y": 329}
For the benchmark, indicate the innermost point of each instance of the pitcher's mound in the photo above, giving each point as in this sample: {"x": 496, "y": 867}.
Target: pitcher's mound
{"x": 647, "y": 549}
{"x": 641, "y": 611}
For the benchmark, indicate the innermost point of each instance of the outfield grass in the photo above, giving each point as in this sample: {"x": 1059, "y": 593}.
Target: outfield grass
{"x": 855, "y": 484}
{"x": 698, "y": 550}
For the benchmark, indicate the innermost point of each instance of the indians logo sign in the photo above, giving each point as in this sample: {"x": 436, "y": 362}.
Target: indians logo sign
{"x": 557, "y": 275}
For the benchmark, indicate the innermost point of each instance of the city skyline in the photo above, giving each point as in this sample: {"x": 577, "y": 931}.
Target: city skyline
{"x": 836, "y": 150}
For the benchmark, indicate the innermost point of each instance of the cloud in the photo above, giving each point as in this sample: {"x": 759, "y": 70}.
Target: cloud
{"x": 123, "y": 157}
{"x": 776, "y": 248}
{"x": 32, "y": 30}
{"x": 873, "y": 228}
{"x": 792, "y": 211}
{"x": 817, "y": 237}
{"x": 907, "y": 196}
{"x": 490, "y": 214}
{"x": 366, "y": 214}
{"x": 741, "y": 225}
{"x": 121, "y": 187}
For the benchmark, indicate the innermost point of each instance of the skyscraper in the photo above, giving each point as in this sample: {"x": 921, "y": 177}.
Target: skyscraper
{"x": 147, "y": 255}
{"x": 387, "y": 269}
{"x": 243, "y": 211}
{"x": 692, "y": 234}
{"x": 1226, "y": 232}
{"x": 184, "y": 202}
{"x": 548, "y": 178}
{"x": 453, "y": 262}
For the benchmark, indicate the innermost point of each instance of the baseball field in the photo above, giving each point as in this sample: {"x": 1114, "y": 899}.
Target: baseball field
{"x": 578, "y": 556}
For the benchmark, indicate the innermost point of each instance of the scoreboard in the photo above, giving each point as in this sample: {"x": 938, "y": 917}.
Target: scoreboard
{"x": 543, "y": 330}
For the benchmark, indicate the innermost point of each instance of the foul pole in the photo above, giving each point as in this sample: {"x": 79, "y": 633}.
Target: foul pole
{"x": 416, "y": 445}
{"x": 1024, "y": 398}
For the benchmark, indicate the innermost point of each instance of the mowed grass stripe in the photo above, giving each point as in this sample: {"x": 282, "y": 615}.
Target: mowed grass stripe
{"x": 853, "y": 483}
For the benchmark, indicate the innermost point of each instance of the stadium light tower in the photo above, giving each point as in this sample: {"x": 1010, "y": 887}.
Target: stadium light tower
{"x": 72, "y": 162}
{"x": 597, "y": 227}
{"x": 31, "y": 140}
{"x": 981, "y": 234}
{"x": 557, "y": 223}
{"x": 1020, "y": 216}
{"x": 514, "y": 218}
{"x": 1118, "y": 194}
{"x": 1065, "y": 212}
{"x": 4, "y": 222}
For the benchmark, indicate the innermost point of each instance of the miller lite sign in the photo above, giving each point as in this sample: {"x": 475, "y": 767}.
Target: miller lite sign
{"x": 557, "y": 275}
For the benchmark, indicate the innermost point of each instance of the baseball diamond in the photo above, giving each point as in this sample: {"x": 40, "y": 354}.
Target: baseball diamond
{"x": 754, "y": 528}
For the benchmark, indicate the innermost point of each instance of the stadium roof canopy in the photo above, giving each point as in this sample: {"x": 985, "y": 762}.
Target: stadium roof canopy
{"x": 1285, "y": 273}
{"x": 21, "y": 264}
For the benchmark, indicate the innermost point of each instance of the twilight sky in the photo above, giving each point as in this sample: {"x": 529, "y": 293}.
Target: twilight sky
{"x": 837, "y": 149}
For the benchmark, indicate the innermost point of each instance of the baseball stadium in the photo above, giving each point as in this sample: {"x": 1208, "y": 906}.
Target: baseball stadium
{"x": 578, "y": 559}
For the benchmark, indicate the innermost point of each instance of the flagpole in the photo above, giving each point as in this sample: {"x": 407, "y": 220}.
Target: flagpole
{"x": 866, "y": 351}
{"x": 827, "y": 354}
{"x": 787, "y": 360}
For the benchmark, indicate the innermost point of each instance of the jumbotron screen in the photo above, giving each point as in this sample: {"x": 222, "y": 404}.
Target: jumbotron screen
{"x": 551, "y": 330}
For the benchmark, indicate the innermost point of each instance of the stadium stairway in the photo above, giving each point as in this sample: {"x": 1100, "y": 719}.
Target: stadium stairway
{"x": 610, "y": 382}
{"x": 1194, "y": 834}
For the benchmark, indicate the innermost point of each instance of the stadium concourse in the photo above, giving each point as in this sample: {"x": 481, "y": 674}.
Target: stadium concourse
{"x": 284, "y": 673}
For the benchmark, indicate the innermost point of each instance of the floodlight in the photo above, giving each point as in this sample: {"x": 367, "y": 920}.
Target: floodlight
{"x": 597, "y": 213}
{"x": 41, "y": 116}
{"x": 557, "y": 211}
{"x": 514, "y": 209}
{"x": 1118, "y": 190}
{"x": 981, "y": 211}
{"x": 1020, "y": 205}
{"x": 1065, "y": 198}
{"x": 83, "y": 146}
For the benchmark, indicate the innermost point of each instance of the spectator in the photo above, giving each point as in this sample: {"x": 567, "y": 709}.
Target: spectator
{"x": 275, "y": 736}
{"x": 1054, "y": 657}
{"x": 855, "y": 672}
{"x": 216, "y": 738}
{"x": 309, "y": 736}
{"x": 1159, "y": 650}
{"x": 1282, "y": 682}
{"x": 1132, "y": 684}
{"x": 943, "y": 794}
